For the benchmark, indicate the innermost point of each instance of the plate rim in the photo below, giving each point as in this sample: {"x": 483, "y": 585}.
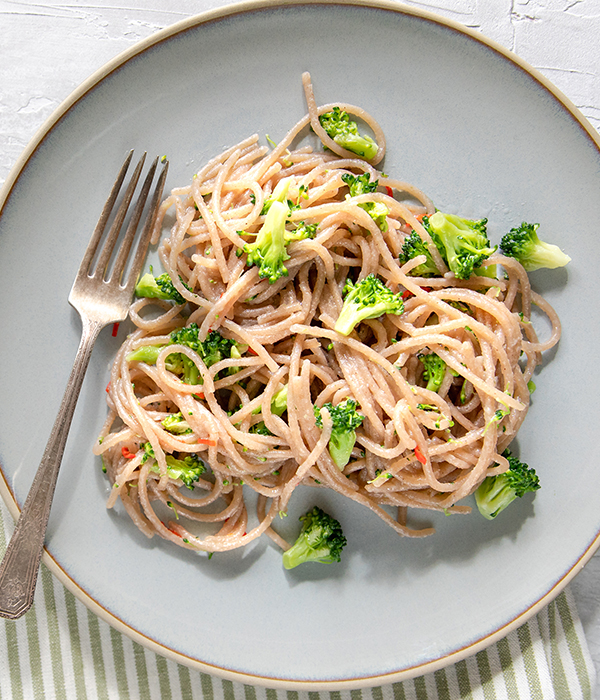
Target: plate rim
{"x": 88, "y": 85}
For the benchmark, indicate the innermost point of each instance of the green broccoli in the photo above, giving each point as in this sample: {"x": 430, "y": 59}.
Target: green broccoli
{"x": 524, "y": 244}
{"x": 302, "y": 231}
{"x": 434, "y": 372}
{"x": 344, "y": 132}
{"x": 146, "y": 353}
{"x": 279, "y": 194}
{"x": 213, "y": 349}
{"x": 176, "y": 424}
{"x": 361, "y": 184}
{"x": 495, "y": 493}
{"x": 345, "y": 420}
{"x": 463, "y": 244}
{"x": 183, "y": 367}
{"x": 279, "y": 401}
{"x": 369, "y": 298}
{"x": 321, "y": 540}
{"x": 260, "y": 429}
{"x": 269, "y": 250}
{"x": 278, "y": 407}
{"x": 187, "y": 470}
{"x": 160, "y": 287}
{"x": 414, "y": 246}
{"x": 148, "y": 451}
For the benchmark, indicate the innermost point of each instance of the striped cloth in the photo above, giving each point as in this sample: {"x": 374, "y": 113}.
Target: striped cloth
{"x": 61, "y": 651}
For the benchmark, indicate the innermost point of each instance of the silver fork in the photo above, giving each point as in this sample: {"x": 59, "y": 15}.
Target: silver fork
{"x": 101, "y": 295}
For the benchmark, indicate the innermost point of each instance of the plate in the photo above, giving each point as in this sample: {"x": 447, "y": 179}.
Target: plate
{"x": 467, "y": 122}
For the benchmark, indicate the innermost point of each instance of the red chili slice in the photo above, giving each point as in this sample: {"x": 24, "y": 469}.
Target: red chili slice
{"x": 206, "y": 441}
{"x": 172, "y": 531}
{"x": 126, "y": 453}
{"x": 419, "y": 455}
{"x": 115, "y": 329}
{"x": 389, "y": 191}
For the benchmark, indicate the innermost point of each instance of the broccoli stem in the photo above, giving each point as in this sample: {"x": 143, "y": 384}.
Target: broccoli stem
{"x": 146, "y": 353}
{"x": 341, "y": 444}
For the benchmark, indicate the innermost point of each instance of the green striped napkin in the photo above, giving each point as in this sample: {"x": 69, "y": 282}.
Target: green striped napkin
{"x": 60, "y": 650}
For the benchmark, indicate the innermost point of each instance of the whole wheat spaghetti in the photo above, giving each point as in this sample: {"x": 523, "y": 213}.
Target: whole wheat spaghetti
{"x": 415, "y": 447}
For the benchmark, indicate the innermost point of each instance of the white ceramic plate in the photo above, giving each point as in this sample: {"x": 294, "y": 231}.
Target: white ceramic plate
{"x": 475, "y": 128}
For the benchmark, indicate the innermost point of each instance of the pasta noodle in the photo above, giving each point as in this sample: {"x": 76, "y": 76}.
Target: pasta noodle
{"x": 416, "y": 448}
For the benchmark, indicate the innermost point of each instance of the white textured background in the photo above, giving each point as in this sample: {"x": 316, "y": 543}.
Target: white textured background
{"x": 48, "y": 48}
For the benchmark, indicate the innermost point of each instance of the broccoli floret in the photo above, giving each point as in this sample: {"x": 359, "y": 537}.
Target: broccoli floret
{"x": 279, "y": 401}
{"x": 321, "y": 540}
{"x": 414, "y": 246}
{"x": 182, "y": 366}
{"x": 269, "y": 250}
{"x": 369, "y": 298}
{"x": 176, "y": 424}
{"x": 160, "y": 287}
{"x": 212, "y": 349}
{"x": 148, "y": 451}
{"x": 302, "y": 231}
{"x": 345, "y": 420}
{"x": 434, "y": 370}
{"x": 344, "y": 132}
{"x": 463, "y": 244}
{"x": 187, "y": 470}
{"x": 361, "y": 184}
{"x": 187, "y": 335}
{"x": 495, "y": 493}
{"x": 524, "y": 244}
{"x": 260, "y": 429}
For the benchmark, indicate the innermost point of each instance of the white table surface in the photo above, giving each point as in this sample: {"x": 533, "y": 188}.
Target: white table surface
{"x": 48, "y": 48}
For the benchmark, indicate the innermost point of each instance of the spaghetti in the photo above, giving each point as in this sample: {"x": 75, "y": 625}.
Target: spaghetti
{"x": 415, "y": 448}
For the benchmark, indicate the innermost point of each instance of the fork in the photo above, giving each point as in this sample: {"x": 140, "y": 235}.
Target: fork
{"x": 102, "y": 295}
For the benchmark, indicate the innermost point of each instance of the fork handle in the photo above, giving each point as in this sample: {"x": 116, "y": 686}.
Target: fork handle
{"x": 19, "y": 568}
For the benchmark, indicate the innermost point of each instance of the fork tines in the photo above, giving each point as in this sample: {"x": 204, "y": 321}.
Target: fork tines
{"x": 100, "y": 267}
